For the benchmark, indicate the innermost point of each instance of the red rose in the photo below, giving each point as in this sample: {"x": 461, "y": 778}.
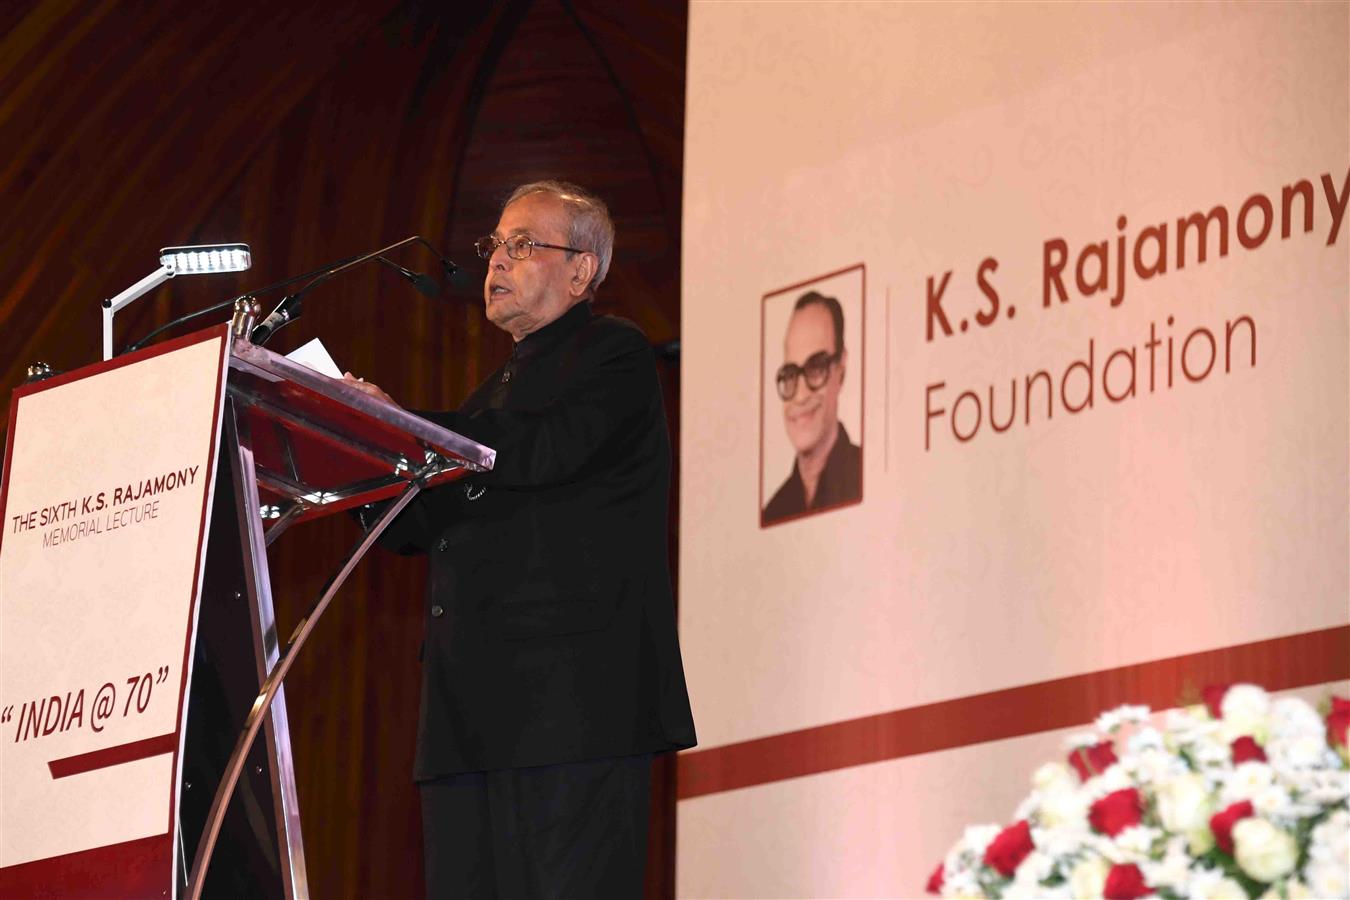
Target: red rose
{"x": 1125, "y": 882}
{"x": 1246, "y": 749}
{"x": 1214, "y": 698}
{"x": 1116, "y": 811}
{"x": 935, "y": 880}
{"x": 1338, "y": 722}
{"x": 1006, "y": 852}
{"x": 1094, "y": 760}
{"x": 1221, "y": 823}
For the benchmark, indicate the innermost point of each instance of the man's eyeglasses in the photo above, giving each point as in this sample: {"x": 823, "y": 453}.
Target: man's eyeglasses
{"x": 518, "y": 246}
{"x": 816, "y": 370}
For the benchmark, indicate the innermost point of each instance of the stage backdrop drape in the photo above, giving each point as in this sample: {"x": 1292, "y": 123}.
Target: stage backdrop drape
{"x": 316, "y": 130}
{"x": 1092, "y": 267}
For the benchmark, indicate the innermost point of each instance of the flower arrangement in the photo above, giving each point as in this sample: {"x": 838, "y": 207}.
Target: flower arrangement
{"x": 1244, "y": 796}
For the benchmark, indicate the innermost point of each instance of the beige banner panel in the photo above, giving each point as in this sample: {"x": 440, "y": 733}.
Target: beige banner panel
{"x": 108, "y": 489}
{"x": 1100, "y": 364}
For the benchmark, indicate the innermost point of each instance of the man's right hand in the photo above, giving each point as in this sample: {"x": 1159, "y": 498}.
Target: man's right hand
{"x": 367, "y": 387}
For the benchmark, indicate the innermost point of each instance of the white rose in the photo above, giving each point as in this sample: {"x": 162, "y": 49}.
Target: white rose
{"x": 1244, "y": 709}
{"x": 1327, "y": 879}
{"x": 1290, "y": 717}
{"x": 1273, "y": 802}
{"x": 1209, "y": 751}
{"x": 1330, "y": 844}
{"x": 1054, "y": 776}
{"x": 1173, "y": 871}
{"x": 1065, "y": 809}
{"x": 1184, "y": 803}
{"x": 1062, "y": 842}
{"x": 1263, "y": 851}
{"x": 977, "y": 838}
{"x": 1184, "y": 806}
{"x": 1146, "y": 738}
{"x": 1088, "y": 878}
{"x": 961, "y": 884}
{"x": 1296, "y": 890}
{"x": 1151, "y": 766}
{"x": 1200, "y": 840}
{"x": 1246, "y": 781}
{"x": 1301, "y": 751}
{"x": 1212, "y": 884}
{"x": 1115, "y": 778}
{"x": 1326, "y": 788}
{"x": 1293, "y": 889}
{"x": 1135, "y": 843}
{"x": 1034, "y": 869}
{"x": 1333, "y": 832}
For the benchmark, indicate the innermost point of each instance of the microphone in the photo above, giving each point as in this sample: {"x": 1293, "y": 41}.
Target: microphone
{"x": 289, "y": 308}
{"x": 425, "y": 285}
{"x": 448, "y": 268}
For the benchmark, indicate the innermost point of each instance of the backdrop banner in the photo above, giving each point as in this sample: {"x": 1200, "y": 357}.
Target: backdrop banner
{"x": 1015, "y": 385}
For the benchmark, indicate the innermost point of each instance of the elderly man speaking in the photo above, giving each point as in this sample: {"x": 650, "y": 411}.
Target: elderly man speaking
{"x": 551, "y": 671}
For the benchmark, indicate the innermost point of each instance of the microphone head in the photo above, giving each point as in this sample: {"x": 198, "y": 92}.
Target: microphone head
{"x": 449, "y": 267}
{"x": 425, "y": 285}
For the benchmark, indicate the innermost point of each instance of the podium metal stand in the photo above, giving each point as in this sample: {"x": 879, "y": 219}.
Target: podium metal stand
{"x": 300, "y": 446}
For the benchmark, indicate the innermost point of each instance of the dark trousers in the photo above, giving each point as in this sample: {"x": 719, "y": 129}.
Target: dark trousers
{"x": 570, "y": 830}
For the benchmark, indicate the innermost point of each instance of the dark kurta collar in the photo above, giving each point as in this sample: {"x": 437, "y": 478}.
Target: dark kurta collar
{"x": 493, "y": 393}
{"x": 538, "y": 341}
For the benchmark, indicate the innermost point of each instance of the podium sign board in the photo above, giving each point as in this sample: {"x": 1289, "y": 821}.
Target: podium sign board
{"x": 106, "y": 492}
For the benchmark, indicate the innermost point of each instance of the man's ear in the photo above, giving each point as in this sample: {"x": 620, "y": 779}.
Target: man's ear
{"x": 583, "y": 273}
{"x": 843, "y": 366}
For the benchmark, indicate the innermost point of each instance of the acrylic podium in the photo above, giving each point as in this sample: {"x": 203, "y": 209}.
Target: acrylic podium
{"x": 144, "y": 748}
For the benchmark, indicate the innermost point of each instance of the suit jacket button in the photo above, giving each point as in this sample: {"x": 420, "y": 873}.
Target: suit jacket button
{"x": 506, "y": 377}
{"x": 442, "y": 544}
{"x": 437, "y": 611}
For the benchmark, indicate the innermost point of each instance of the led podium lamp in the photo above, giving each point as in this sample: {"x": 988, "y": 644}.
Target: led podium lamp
{"x": 205, "y": 259}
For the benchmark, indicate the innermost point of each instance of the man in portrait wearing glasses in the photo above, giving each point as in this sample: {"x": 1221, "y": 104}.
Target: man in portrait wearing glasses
{"x": 551, "y": 667}
{"x": 827, "y": 471}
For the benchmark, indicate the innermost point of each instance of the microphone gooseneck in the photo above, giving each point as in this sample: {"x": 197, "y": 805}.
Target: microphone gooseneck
{"x": 291, "y": 306}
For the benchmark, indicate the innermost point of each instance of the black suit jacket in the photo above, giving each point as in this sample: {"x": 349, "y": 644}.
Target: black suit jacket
{"x": 550, "y": 623}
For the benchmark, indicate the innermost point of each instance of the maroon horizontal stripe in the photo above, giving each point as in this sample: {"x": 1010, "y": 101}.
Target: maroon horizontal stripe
{"x": 1315, "y": 657}
{"x": 139, "y": 868}
{"x": 113, "y": 756}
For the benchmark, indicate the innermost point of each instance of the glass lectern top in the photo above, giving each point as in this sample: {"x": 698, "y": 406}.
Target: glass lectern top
{"x": 321, "y": 445}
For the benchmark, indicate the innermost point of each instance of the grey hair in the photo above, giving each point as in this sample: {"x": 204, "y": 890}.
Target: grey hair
{"x": 591, "y": 227}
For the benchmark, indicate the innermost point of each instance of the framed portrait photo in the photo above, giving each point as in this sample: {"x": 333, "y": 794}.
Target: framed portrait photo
{"x": 811, "y": 396}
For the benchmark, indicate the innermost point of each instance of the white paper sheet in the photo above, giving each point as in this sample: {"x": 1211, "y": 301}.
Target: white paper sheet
{"x": 315, "y": 355}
